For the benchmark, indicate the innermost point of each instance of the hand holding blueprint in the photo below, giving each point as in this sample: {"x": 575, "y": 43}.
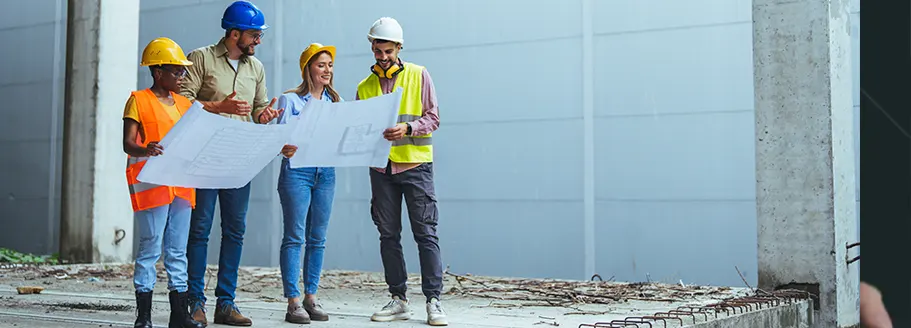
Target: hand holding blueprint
{"x": 205, "y": 150}
{"x": 345, "y": 134}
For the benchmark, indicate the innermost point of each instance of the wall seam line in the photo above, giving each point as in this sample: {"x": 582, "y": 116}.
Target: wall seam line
{"x": 588, "y": 184}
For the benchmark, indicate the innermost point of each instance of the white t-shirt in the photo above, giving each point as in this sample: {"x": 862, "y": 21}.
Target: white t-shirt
{"x": 233, "y": 63}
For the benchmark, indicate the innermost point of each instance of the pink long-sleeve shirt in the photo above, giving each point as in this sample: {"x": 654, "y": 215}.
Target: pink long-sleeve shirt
{"x": 426, "y": 124}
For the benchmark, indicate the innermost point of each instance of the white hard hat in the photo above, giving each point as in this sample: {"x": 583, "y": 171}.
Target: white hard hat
{"x": 386, "y": 28}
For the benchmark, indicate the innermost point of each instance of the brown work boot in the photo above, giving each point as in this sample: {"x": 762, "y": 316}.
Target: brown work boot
{"x": 229, "y": 314}
{"x": 198, "y": 312}
{"x": 297, "y": 314}
{"x": 316, "y": 311}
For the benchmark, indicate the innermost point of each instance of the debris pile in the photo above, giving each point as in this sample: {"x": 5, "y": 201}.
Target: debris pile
{"x": 109, "y": 272}
{"x": 535, "y": 292}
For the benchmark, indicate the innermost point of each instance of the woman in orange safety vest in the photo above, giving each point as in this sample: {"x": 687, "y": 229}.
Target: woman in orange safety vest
{"x": 162, "y": 213}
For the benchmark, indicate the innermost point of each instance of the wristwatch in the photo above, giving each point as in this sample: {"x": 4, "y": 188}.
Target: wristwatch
{"x": 408, "y": 132}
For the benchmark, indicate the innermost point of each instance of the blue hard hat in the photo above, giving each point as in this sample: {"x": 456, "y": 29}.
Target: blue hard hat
{"x": 243, "y": 15}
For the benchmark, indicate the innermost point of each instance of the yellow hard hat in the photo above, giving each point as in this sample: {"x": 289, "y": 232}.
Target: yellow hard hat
{"x": 164, "y": 51}
{"x": 311, "y": 51}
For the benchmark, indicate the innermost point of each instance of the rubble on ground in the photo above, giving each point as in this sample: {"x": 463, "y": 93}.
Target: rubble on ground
{"x": 499, "y": 292}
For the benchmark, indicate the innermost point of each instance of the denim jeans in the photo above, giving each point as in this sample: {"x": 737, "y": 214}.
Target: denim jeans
{"x": 306, "y": 196}
{"x": 233, "y": 204}
{"x": 168, "y": 225}
{"x": 416, "y": 186}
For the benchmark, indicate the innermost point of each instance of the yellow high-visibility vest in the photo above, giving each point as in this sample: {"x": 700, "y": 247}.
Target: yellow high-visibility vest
{"x": 410, "y": 149}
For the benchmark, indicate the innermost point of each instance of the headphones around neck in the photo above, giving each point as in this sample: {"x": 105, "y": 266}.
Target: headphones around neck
{"x": 392, "y": 71}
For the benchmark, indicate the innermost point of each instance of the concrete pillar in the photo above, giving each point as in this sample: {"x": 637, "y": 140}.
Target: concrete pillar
{"x": 805, "y": 182}
{"x": 96, "y": 221}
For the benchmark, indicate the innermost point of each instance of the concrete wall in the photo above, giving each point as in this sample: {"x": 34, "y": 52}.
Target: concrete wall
{"x": 672, "y": 122}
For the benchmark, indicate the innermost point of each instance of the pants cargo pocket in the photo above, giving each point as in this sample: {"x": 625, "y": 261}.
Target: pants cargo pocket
{"x": 428, "y": 209}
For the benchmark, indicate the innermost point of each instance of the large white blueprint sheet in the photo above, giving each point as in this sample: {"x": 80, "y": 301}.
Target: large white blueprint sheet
{"x": 205, "y": 150}
{"x": 345, "y": 134}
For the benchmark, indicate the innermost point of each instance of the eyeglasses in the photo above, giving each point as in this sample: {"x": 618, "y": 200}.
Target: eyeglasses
{"x": 178, "y": 73}
{"x": 257, "y": 36}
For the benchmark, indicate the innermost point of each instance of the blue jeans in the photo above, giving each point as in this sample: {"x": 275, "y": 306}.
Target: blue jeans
{"x": 233, "y": 204}
{"x": 168, "y": 225}
{"x": 306, "y": 195}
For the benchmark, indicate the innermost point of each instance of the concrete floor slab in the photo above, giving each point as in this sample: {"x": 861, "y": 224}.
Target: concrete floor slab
{"x": 98, "y": 295}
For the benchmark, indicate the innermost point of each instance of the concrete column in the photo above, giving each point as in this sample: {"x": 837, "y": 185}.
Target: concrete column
{"x": 805, "y": 182}
{"x": 96, "y": 221}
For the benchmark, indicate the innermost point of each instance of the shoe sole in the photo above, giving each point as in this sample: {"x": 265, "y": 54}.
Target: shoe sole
{"x": 438, "y": 323}
{"x": 318, "y": 318}
{"x": 397, "y": 317}
{"x": 222, "y": 322}
{"x": 290, "y": 319}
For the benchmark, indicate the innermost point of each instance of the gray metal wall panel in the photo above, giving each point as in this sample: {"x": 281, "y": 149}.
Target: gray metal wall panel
{"x": 676, "y": 157}
{"x": 674, "y": 141}
{"x": 529, "y": 238}
{"x": 32, "y": 62}
{"x": 21, "y": 14}
{"x": 694, "y": 241}
{"x": 29, "y": 182}
{"x": 705, "y": 69}
{"x": 430, "y": 24}
{"x": 615, "y": 16}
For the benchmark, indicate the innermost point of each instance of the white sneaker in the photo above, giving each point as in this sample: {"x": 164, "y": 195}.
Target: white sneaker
{"x": 396, "y": 309}
{"x": 435, "y": 314}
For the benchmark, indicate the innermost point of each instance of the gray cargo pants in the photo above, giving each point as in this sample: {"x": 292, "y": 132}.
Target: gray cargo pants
{"x": 416, "y": 185}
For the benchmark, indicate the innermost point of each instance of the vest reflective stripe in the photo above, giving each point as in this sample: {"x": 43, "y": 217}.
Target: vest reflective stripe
{"x": 416, "y": 141}
{"x": 142, "y": 186}
{"x": 407, "y": 118}
{"x": 411, "y": 149}
{"x": 138, "y": 186}
{"x": 134, "y": 160}
{"x": 426, "y": 140}
{"x": 154, "y": 124}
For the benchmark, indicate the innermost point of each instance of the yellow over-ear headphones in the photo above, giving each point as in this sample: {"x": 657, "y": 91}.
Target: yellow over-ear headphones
{"x": 388, "y": 73}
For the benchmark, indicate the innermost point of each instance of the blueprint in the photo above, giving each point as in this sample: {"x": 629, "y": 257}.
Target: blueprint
{"x": 345, "y": 134}
{"x": 205, "y": 150}
{"x": 209, "y": 151}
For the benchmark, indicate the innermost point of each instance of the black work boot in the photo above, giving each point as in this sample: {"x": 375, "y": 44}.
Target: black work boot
{"x": 180, "y": 312}
{"x": 144, "y": 310}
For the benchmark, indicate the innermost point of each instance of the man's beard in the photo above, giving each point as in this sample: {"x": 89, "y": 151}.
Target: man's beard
{"x": 247, "y": 49}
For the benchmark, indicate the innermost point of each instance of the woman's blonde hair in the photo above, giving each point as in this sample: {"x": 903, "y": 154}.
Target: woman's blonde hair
{"x": 304, "y": 88}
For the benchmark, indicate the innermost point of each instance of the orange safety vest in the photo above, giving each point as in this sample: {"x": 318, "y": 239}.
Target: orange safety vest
{"x": 155, "y": 124}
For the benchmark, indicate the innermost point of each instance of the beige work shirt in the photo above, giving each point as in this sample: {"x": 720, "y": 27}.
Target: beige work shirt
{"x": 212, "y": 78}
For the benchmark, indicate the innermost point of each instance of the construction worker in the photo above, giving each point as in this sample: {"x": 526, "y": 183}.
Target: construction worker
{"x": 161, "y": 212}
{"x": 408, "y": 173}
{"x": 306, "y": 193}
{"x": 226, "y": 75}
